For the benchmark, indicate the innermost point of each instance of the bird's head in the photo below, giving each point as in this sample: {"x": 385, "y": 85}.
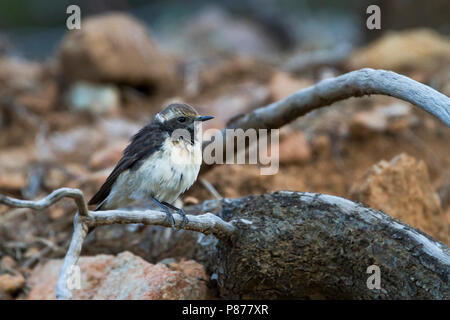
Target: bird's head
{"x": 179, "y": 116}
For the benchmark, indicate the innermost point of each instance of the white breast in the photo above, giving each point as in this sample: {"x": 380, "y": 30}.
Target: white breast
{"x": 165, "y": 175}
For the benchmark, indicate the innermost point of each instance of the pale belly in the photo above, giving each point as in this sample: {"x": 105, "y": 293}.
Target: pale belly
{"x": 165, "y": 175}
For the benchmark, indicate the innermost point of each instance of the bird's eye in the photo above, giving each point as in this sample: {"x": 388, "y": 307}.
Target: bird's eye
{"x": 181, "y": 119}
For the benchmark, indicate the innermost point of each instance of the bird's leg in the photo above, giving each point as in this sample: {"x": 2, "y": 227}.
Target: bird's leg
{"x": 180, "y": 212}
{"x": 169, "y": 216}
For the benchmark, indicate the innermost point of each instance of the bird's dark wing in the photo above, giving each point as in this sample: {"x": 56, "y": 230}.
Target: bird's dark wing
{"x": 147, "y": 141}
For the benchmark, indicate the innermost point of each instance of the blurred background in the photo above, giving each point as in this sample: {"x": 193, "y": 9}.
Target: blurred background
{"x": 70, "y": 100}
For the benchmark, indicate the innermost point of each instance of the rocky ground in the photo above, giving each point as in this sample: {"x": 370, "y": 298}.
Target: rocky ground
{"x": 64, "y": 123}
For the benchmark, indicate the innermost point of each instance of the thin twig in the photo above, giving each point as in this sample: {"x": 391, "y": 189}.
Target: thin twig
{"x": 211, "y": 189}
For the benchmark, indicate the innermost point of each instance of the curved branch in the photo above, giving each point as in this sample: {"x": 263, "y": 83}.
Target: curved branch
{"x": 62, "y": 290}
{"x": 207, "y": 223}
{"x": 353, "y": 84}
{"x": 55, "y": 196}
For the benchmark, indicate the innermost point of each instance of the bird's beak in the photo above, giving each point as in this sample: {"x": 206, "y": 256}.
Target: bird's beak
{"x": 204, "y": 118}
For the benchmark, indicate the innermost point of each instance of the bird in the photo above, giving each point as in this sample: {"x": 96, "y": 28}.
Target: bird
{"x": 160, "y": 163}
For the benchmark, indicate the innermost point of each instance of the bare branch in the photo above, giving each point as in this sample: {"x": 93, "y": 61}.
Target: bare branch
{"x": 207, "y": 223}
{"x": 73, "y": 253}
{"x": 208, "y": 186}
{"x": 46, "y": 202}
{"x": 353, "y": 84}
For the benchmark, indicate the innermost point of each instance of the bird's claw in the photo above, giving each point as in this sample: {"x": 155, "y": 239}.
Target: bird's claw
{"x": 170, "y": 219}
{"x": 185, "y": 220}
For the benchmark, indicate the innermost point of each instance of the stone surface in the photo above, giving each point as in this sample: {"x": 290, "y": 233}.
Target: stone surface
{"x": 294, "y": 148}
{"x": 241, "y": 98}
{"x": 75, "y": 144}
{"x": 390, "y": 118}
{"x": 108, "y": 156}
{"x": 402, "y": 189}
{"x": 422, "y": 49}
{"x": 96, "y": 99}
{"x": 13, "y": 167}
{"x": 283, "y": 84}
{"x": 114, "y": 47}
{"x": 125, "y": 276}
{"x": 19, "y": 74}
{"x": 11, "y": 283}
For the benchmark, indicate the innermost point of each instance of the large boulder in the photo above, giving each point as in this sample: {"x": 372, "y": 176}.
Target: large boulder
{"x": 124, "y": 276}
{"x": 420, "y": 49}
{"x": 117, "y": 48}
{"x": 402, "y": 189}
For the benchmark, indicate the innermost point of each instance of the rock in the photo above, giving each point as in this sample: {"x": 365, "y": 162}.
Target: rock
{"x": 7, "y": 262}
{"x": 218, "y": 71}
{"x": 13, "y": 181}
{"x": 56, "y": 213}
{"x": 233, "y": 181}
{"x": 321, "y": 145}
{"x": 392, "y": 118}
{"x": 74, "y": 145}
{"x": 283, "y": 84}
{"x": 402, "y": 189}
{"x": 213, "y": 31}
{"x": 108, "y": 156}
{"x": 420, "y": 49}
{"x": 294, "y": 148}
{"x": 13, "y": 167}
{"x": 11, "y": 283}
{"x": 18, "y": 74}
{"x": 114, "y": 47}
{"x": 124, "y": 276}
{"x": 97, "y": 99}
{"x": 241, "y": 99}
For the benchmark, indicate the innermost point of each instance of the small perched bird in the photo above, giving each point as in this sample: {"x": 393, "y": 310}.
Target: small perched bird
{"x": 161, "y": 162}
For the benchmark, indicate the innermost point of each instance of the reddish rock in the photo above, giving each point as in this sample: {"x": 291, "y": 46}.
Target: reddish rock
{"x": 18, "y": 74}
{"x": 283, "y": 84}
{"x": 13, "y": 181}
{"x": 7, "y": 262}
{"x": 14, "y": 163}
{"x": 74, "y": 145}
{"x": 391, "y": 118}
{"x": 233, "y": 181}
{"x": 402, "y": 189}
{"x": 125, "y": 276}
{"x": 108, "y": 156}
{"x": 241, "y": 99}
{"x": 114, "y": 47}
{"x": 11, "y": 283}
{"x": 294, "y": 148}
{"x": 420, "y": 49}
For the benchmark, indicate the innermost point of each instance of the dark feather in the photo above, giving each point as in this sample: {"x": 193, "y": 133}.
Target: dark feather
{"x": 147, "y": 141}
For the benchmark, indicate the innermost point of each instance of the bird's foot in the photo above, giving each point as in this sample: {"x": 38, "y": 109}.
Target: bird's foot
{"x": 181, "y": 212}
{"x": 170, "y": 219}
{"x": 185, "y": 220}
{"x": 169, "y": 216}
